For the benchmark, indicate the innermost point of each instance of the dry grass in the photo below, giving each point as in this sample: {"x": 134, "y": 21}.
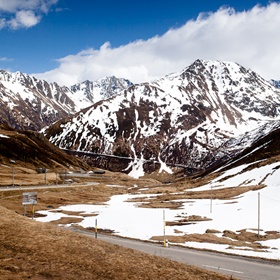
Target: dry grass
{"x": 169, "y": 198}
{"x": 187, "y": 220}
{"x": 43, "y": 251}
{"x": 235, "y": 240}
{"x": 100, "y": 193}
{"x": 32, "y": 250}
{"x": 24, "y": 176}
{"x": 55, "y": 197}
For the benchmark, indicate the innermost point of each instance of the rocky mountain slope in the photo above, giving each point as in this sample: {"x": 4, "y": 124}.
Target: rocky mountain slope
{"x": 29, "y": 103}
{"x": 183, "y": 119}
{"x": 275, "y": 83}
{"x": 87, "y": 93}
{"x": 259, "y": 145}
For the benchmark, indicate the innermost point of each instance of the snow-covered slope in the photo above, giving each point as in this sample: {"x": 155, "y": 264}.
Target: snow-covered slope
{"x": 29, "y": 103}
{"x": 87, "y": 93}
{"x": 183, "y": 118}
{"x": 207, "y": 217}
{"x": 237, "y": 216}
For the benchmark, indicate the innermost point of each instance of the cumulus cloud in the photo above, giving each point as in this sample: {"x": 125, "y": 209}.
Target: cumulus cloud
{"x": 24, "y": 19}
{"x": 17, "y": 14}
{"x": 248, "y": 37}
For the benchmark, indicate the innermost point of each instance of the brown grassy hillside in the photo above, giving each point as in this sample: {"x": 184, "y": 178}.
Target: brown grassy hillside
{"x": 31, "y": 149}
{"x": 33, "y": 250}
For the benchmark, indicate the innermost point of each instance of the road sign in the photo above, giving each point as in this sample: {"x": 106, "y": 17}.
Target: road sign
{"x": 29, "y": 198}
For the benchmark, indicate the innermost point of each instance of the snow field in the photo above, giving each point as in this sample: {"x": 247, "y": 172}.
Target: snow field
{"x": 128, "y": 220}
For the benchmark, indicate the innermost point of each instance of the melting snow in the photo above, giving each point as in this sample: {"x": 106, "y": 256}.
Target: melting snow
{"x": 128, "y": 220}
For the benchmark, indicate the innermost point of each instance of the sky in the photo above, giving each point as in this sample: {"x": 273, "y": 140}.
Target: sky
{"x": 70, "y": 41}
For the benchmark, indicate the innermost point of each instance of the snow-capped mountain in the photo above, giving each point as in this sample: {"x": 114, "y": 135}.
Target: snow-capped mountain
{"x": 29, "y": 103}
{"x": 255, "y": 145}
{"x": 183, "y": 118}
{"x": 87, "y": 93}
{"x": 275, "y": 83}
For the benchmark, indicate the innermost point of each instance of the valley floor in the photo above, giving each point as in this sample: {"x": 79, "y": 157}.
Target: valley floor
{"x": 220, "y": 217}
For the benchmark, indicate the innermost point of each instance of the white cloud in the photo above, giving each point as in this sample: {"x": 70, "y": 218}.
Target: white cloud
{"x": 17, "y": 14}
{"x": 5, "y": 59}
{"x": 13, "y": 6}
{"x": 249, "y": 38}
{"x": 24, "y": 19}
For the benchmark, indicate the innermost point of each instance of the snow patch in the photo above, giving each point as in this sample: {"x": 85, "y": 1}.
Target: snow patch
{"x": 164, "y": 167}
{"x": 4, "y": 136}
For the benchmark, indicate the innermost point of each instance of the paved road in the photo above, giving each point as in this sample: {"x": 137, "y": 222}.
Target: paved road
{"x": 238, "y": 267}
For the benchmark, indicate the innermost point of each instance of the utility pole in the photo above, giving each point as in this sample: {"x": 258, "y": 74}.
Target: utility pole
{"x": 96, "y": 228}
{"x": 13, "y": 177}
{"x": 45, "y": 176}
{"x": 64, "y": 176}
{"x": 259, "y": 212}
{"x": 211, "y": 200}
{"x": 164, "y": 240}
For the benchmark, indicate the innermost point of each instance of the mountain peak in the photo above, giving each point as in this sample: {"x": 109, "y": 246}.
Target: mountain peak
{"x": 88, "y": 92}
{"x": 182, "y": 118}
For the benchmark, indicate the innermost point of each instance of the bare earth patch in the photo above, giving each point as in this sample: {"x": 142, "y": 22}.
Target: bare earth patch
{"x": 243, "y": 240}
{"x": 187, "y": 220}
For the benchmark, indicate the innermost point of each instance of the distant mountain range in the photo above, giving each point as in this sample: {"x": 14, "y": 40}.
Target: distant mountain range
{"x": 188, "y": 119}
{"x": 31, "y": 104}
{"x": 198, "y": 118}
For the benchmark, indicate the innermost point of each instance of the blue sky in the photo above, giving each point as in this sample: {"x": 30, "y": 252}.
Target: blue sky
{"x": 69, "y": 41}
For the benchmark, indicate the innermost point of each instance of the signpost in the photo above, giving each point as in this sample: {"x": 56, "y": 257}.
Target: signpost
{"x": 259, "y": 212}
{"x": 29, "y": 199}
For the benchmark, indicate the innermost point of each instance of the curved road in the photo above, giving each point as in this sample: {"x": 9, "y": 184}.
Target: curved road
{"x": 236, "y": 266}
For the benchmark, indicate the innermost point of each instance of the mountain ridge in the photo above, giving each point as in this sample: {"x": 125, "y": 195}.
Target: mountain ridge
{"x": 100, "y": 89}
{"x": 29, "y": 103}
{"x": 182, "y": 118}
